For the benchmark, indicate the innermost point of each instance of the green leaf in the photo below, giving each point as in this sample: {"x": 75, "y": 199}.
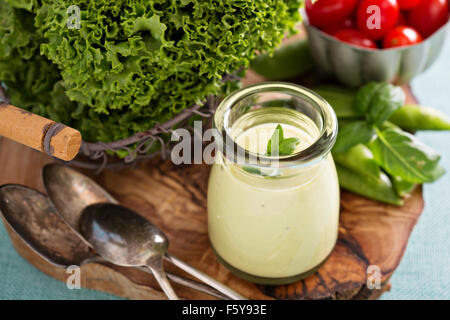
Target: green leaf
{"x": 353, "y": 134}
{"x": 378, "y": 101}
{"x": 402, "y": 155}
{"x": 402, "y": 187}
{"x": 122, "y": 153}
{"x": 384, "y": 103}
{"x": 436, "y": 173}
{"x": 153, "y": 25}
{"x": 287, "y": 146}
{"x": 277, "y": 145}
{"x": 364, "y": 96}
{"x": 22, "y": 4}
{"x": 273, "y": 146}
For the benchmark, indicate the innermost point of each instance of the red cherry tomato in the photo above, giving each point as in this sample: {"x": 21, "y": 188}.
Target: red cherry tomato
{"x": 429, "y": 16}
{"x": 407, "y": 4}
{"x": 356, "y": 38}
{"x": 401, "y": 36}
{"x": 348, "y": 23}
{"x": 377, "y": 17}
{"x": 323, "y": 13}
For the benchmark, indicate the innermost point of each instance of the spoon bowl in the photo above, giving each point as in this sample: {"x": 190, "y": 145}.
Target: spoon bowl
{"x": 71, "y": 191}
{"x": 125, "y": 238}
{"x": 35, "y": 220}
{"x": 120, "y": 235}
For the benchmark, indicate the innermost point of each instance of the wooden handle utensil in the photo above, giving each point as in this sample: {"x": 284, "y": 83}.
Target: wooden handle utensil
{"x": 39, "y": 133}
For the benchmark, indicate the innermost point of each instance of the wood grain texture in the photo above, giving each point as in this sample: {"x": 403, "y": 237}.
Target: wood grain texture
{"x": 174, "y": 198}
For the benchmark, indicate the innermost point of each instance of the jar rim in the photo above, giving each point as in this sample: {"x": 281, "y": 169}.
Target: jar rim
{"x": 318, "y": 150}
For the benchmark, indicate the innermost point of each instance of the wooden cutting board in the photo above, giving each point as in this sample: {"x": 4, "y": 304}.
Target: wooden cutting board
{"x": 174, "y": 198}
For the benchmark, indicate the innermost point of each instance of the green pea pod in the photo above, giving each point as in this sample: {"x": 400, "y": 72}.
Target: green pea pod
{"x": 374, "y": 187}
{"x": 341, "y": 99}
{"x": 402, "y": 187}
{"x": 414, "y": 117}
{"x": 359, "y": 159}
{"x": 288, "y": 61}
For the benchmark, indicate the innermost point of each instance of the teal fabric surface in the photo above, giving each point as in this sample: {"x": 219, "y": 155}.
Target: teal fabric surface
{"x": 423, "y": 273}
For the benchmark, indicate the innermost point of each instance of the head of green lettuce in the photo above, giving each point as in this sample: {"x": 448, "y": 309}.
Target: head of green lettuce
{"x": 130, "y": 64}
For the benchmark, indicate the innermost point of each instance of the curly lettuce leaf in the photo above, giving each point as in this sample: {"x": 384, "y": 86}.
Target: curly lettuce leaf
{"x": 32, "y": 81}
{"x": 135, "y": 63}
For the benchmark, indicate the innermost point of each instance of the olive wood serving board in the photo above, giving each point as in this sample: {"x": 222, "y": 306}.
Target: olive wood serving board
{"x": 174, "y": 198}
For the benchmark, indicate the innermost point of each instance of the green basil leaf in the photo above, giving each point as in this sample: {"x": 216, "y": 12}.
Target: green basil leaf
{"x": 402, "y": 155}
{"x": 353, "y": 134}
{"x": 437, "y": 173}
{"x": 287, "y": 146}
{"x": 378, "y": 101}
{"x": 364, "y": 96}
{"x": 402, "y": 187}
{"x": 384, "y": 103}
{"x": 273, "y": 146}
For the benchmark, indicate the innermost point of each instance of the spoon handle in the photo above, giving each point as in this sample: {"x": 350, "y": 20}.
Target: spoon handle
{"x": 205, "y": 278}
{"x": 173, "y": 277}
{"x": 196, "y": 286}
{"x": 155, "y": 264}
{"x": 190, "y": 284}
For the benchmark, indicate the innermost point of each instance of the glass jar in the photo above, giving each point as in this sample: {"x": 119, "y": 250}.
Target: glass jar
{"x": 273, "y": 219}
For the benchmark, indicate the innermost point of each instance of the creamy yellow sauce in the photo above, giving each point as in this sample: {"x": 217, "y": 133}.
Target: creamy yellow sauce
{"x": 273, "y": 227}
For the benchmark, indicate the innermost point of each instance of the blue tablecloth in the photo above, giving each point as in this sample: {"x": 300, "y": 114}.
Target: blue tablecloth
{"x": 424, "y": 272}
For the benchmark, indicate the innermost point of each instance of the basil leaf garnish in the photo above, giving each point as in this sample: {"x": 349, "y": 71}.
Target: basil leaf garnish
{"x": 402, "y": 155}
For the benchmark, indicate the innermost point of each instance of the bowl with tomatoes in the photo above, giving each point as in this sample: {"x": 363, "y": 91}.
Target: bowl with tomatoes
{"x": 359, "y": 41}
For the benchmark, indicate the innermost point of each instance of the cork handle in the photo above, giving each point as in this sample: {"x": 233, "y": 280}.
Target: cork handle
{"x": 39, "y": 133}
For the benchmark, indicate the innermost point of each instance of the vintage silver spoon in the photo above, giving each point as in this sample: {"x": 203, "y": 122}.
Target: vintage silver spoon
{"x": 122, "y": 237}
{"x": 71, "y": 191}
{"x": 125, "y": 238}
{"x": 32, "y": 216}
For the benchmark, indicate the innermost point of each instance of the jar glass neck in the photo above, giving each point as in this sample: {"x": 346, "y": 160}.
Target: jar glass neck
{"x": 267, "y": 104}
